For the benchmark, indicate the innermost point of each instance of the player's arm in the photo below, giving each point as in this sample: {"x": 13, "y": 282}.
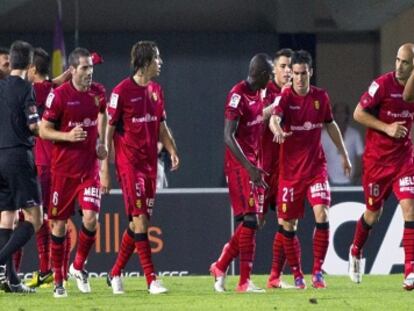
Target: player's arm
{"x": 167, "y": 139}
{"x": 62, "y": 78}
{"x": 408, "y": 94}
{"x": 336, "y": 137}
{"x": 105, "y": 177}
{"x": 101, "y": 150}
{"x": 395, "y": 130}
{"x": 256, "y": 173}
{"x": 279, "y": 134}
{"x": 47, "y": 131}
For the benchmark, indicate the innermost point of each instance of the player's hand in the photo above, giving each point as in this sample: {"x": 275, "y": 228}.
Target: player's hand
{"x": 256, "y": 176}
{"x": 279, "y": 135}
{"x": 77, "y": 134}
{"x": 175, "y": 162}
{"x": 396, "y": 130}
{"x": 105, "y": 181}
{"x": 347, "y": 166}
{"x": 101, "y": 151}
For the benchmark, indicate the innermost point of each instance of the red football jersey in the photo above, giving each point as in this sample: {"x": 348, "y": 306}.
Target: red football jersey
{"x": 137, "y": 112}
{"x": 66, "y": 107}
{"x": 301, "y": 154}
{"x": 384, "y": 100}
{"x": 270, "y": 149}
{"x": 42, "y": 148}
{"x": 247, "y": 105}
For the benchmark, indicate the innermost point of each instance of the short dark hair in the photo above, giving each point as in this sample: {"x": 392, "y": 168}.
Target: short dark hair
{"x": 283, "y": 52}
{"x": 142, "y": 54}
{"x": 41, "y": 61}
{"x": 301, "y": 57}
{"x": 77, "y": 53}
{"x": 4, "y": 50}
{"x": 21, "y": 55}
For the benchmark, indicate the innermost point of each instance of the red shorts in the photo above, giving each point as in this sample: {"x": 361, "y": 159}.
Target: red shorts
{"x": 292, "y": 193}
{"x": 245, "y": 198}
{"x": 64, "y": 192}
{"x": 379, "y": 181}
{"x": 138, "y": 191}
{"x": 44, "y": 175}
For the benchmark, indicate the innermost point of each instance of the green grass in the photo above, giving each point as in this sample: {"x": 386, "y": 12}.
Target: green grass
{"x": 195, "y": 293}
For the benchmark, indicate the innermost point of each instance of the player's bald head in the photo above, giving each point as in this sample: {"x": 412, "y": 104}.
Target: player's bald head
{"x": 259, "y": 63}
{"x": 407, "y": 49}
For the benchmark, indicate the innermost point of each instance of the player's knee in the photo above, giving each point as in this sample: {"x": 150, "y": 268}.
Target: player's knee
{"x": 90, "y": 222}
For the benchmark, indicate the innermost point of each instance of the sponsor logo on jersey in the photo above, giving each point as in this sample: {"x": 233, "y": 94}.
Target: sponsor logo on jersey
{"x": 405, "y": 114}
{"x": 145, "y": 119}
{"x": 258, "y": 120}
{"x": 85, "y": 123}
{"x": 73, "y": 103}
{"x": 294, "y": 107}
{"x": 234, "y": 100}
{"x": 135, "y": 99}
{"x": 317, "y": 104}
{"x": 307, "y": 126}
{"x": 396, "y": 95}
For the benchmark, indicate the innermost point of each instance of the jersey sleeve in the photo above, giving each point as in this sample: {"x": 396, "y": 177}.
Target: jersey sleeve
{"x": 280, "y": 105}
{"x": 373, "y": 96}
{"x": 53, "y": 108}
{"x": 328, "y": 117}
{"x": 30, "y": 108}
{"x": 162, "y": 106}
{"x": 233, "y": 109}
{"x": 115, "y": 107}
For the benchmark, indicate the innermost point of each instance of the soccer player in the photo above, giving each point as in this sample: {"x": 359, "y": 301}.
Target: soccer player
{"x": 18, "y": 185}
{"x": 136, "y": 122}
{"x": 387, "y": 159}
{"x": 282, "y": 76}
{"x": 4, "y": 62}
{"x": 72, "y": 117}
{"x": 303, "y": 110}
{"x": 243, "y": 130}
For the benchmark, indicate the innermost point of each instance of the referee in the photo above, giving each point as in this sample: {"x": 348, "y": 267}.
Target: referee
{"x": 18, "y": 186}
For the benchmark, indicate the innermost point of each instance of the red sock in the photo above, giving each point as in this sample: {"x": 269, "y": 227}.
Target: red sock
{"x": 86, "y": 240}
{"x": 247, "y": 246}
{"x": 126, "y": 250}
{"x": 291, "y": 246}
{"x": 279, "y": 257}
{"x": 57, "y": 250}
{"x": 143, "y": 248}
{"x": 230, "y": 251}
{"x": 320, "y": 245}
{"x": 43, "y": 247}
{"x": 66, "y": 255}
{"x": 362, "y": 231}
{"x": 408, "y": 244}
{"x": 17, "y": 259}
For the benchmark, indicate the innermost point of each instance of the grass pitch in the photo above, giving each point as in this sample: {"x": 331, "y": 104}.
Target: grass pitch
{"x": 196, "y": 293}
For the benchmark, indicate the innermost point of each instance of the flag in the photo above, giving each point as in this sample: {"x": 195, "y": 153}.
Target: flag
{"x": 58, "y": 56}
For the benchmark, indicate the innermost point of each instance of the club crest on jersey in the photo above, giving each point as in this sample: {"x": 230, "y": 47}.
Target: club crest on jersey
{"x": 154, "y": 96}
{"x": 284, "y": 207}
{"x": 317, "y": 104}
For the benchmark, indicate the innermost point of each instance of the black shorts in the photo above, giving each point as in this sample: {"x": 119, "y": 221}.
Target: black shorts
{"x": 18, "y": 183}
